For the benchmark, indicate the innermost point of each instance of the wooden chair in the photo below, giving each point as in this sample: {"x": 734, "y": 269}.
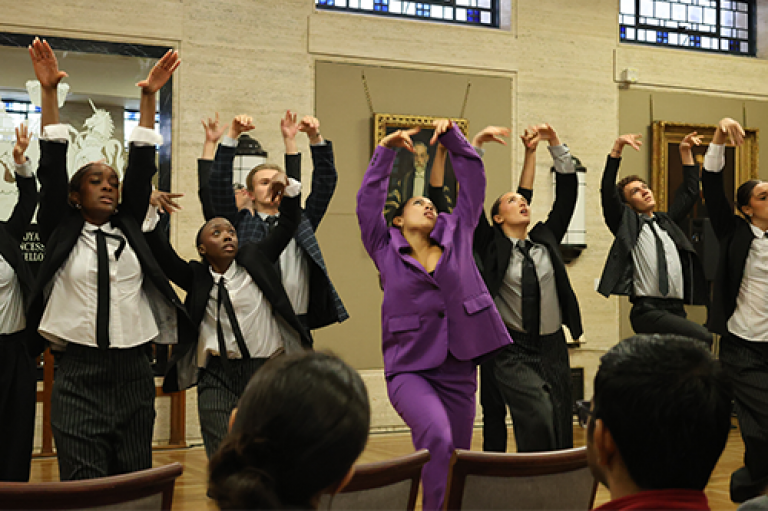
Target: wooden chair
{"x": 390, "y": 484}
{"x": 144, "y": 490}
{"x": 542, "y": 480}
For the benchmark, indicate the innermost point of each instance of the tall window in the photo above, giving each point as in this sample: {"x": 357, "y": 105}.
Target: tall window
{"x": 710, "y": 25}
{"x": 468, "y": 12}
{"x": 18, "y": 112}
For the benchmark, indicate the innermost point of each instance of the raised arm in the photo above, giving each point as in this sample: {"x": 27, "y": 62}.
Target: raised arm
{"x": 137, "y": 183}
{"x": 52, "y": 167}
{"x": 324, "y": 175}
{"x": 213, "y": 133}
{"x": 438, "y": 193}
{"x": 468, "y": 167}
{"x": 687, "y": 194}
{"x": 373, "y": 191}
{"x": 220, "y": 182}
{"x": 719, "y": 208}
{"x": 26, "y": 184}
{"x": 290, "y": 215}
{"x": 566, "y": 183}
{"x": 613, "y": 206}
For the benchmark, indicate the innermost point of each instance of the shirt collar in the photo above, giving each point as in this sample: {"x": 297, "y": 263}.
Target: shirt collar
{"x": 759, "y": 233}
{"x": 107, "y": 227}
{"x": 229, "y": 274}
{"x": 264, "y": 216}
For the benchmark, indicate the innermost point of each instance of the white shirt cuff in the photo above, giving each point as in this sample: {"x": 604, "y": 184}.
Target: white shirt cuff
{"x": 293, "y": 189}
{"x": 480, "y": 151}
{"x": 319, "y": 144}
{"x": 151, "y": 219}
{"x": 142, "y": 136}
{"x": 25, "y": 169}
{"x": 561, "y": 156}
{"x": 55, "y": 133}
{"x": 229, "y": 142}
{"x": 714, "y": 160}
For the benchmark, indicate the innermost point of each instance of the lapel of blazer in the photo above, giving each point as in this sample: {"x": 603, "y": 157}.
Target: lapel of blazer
{"x": 11, "y": 252}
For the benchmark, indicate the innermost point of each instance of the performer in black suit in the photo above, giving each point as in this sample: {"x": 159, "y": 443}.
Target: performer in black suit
{"x": 243, "y": 314}
{"x": 651, "y": 260}
{"x": 525, "y": 274}
{"x": 739, "y": 309}
{"x": 100, "y": 294}
{"x": 17, "y": 372}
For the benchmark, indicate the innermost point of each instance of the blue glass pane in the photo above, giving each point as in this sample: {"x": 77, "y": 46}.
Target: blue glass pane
{"x": 482, "y": 12}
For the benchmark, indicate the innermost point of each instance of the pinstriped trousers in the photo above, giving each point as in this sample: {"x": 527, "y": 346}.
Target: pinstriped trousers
{"x": 746, "y": 362}
{"x": 103, "y": 412}
{"x": 533, "y": 376}
{"x": 218, "y": 391}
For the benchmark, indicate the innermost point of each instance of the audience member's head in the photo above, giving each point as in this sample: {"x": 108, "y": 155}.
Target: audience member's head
{"x": 661, "y": 414}
{"x": 300, "y": 425}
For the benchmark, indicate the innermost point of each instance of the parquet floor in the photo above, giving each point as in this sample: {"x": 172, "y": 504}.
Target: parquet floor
{"x": 190, "y": 487}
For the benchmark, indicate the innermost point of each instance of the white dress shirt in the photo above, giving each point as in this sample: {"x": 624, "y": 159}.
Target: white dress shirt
{"x": 12, "y": 317}
{"x": 646, "y": 281}
{"x": 253, "y": 312}
{"x": 70, "y": 313}
{"x": 750, "y": 318}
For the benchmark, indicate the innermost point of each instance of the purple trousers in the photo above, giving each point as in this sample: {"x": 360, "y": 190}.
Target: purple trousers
{"x": 439, "y": 407}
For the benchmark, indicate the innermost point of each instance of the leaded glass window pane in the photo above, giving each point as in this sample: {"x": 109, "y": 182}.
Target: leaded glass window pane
{"x": 469, "y": 12}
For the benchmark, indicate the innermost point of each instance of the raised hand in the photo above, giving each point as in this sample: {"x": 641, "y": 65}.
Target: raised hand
{"x": 491, "y": 134}
{"x": 441, "y": 126}
{"x": 160, "y": 73}
{"x": 400, "y": 138}
{"x": 288, "y": 125}
{"x": 311, "y": 126}
{"x": 690, "y": 140}
{"x": 733, "y": 129}
{"x": 22, "y": 142}
{"x": 633, "y": 140}
{"x": 165, "y": 201}
{"x": 213, "y": 129}
{"x": 240, "y": 124}
{"x": 530, "y": 139}
{"x": 45, "y": 64}
{"x": 277, "y": 186}
{"x": 545, "y": 132}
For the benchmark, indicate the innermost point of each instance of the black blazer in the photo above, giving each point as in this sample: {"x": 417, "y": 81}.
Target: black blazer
{"x": 625, "y": 224}
{"x": 61, "y": 225}
{"x": 494, "y": 249}
{"x": 735, "y": 236}
{"x": 13, "y": 230}
{"x": 195, "y": 278}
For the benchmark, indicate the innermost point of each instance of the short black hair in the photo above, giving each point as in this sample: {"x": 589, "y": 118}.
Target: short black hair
{"x": 667, "y": 404}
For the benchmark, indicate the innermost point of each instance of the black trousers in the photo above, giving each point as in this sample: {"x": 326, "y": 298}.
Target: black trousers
{"x": 746, "y": 362}
{"x": 665, "y": 316}
{"x": 533, "y": 377}
{"x": 103, "y": 412}
{"x": 17, "y": 408}
{"x": 218, "y": 392}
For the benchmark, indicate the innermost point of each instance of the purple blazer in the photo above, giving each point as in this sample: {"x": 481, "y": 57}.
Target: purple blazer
{"x": 423, "y": 318}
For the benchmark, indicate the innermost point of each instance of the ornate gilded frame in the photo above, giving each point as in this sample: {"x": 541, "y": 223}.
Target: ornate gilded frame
{"x": 381, "y": 122}
{"x": 666, "y": 133}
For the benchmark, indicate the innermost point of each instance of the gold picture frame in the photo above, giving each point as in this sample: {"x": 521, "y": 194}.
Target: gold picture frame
{"x": 383, "y": 124}
{"x": 666, "y": 166}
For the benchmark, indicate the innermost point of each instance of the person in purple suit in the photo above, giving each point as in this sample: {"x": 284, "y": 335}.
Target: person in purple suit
{"x": 437, "y": 316}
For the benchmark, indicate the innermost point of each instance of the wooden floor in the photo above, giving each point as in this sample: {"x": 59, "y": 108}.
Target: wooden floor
{"x": 190, "y": 488}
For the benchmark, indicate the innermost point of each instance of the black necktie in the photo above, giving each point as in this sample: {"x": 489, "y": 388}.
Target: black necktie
{"x": 531, "y": 291}
{"x": 102, "y": 301}
{"x": 223, "y": 299}
{"x": 661, "y": 259}
{"x": 271, "y": 224}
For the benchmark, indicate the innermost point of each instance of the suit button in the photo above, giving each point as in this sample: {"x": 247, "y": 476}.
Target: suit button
{"x": 441, "y": 314}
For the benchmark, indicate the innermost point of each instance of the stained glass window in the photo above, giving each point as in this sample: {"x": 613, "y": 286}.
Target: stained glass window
{"x": 725, "y": 26}
{"x": 469, "y": 12}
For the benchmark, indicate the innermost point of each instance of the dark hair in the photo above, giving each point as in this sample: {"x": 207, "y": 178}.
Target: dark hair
{"x": 667, "y": 405}
{"x": 76, "y": 181}
{"x": 301, "y": 423}
{"x": 744, "y": 194}
{"x": 623, "y": 184}
{"x": 495, "y": 208}
{"x": 257, "y": 168}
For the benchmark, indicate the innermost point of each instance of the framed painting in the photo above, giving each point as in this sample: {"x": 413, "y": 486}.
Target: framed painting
{"x": 741, "y": 163}
{"x": 411, "y": 171}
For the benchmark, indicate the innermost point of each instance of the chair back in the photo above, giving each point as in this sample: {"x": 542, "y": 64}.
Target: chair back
{"x": 390, "y": 484}
{"x": 542, "y": 480}
{"x": 150, "y": 489}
